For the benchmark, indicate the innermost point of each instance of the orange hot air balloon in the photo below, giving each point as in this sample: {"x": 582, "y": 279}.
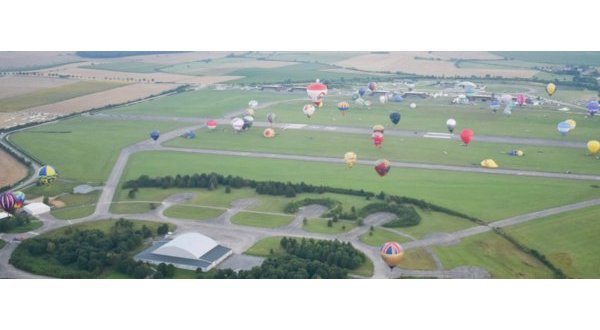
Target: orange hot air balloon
{"x": 269, "y": 133}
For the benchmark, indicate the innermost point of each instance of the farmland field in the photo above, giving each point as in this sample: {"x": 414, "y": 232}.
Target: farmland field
{"x": 555, "y": 57}
{"x": 16, "y": 173}
{"x": 139, "y": 67}
{"x": 222, "y": 66}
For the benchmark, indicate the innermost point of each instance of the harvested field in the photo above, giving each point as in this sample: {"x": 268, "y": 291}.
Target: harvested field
{"x": 17, "y": 85}
{"x": 83, "y": 103}
{"x": 170, "y": 59}
{"x": 34, "y": 60}
{"x": 424, "y": 63}
{"x": 16, "y": 171}
{"x": 468, "y": 55}
{"x": 223, "y": 66}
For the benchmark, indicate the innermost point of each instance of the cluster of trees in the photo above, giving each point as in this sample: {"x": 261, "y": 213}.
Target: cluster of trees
{"x": 286, "y": 267}
{"x": 16, "y": 221}
{"x": 87, "y": 253}
{"x": 336, "y": 253}
{"x": 141, "y": 270}
{"x": 407, "y": 216}
{"x": 292, "y": 207}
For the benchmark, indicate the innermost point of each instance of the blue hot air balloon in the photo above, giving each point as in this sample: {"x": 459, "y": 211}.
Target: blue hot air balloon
{"x": 563, "y": 128}
{"x": 592, "y": 107}
{"x": 155, "y": 135}
{"x": 395, "y": 117}
{"x": 398, "y": 98}
{"x": 361, "y": 91}
{"x": 494, "y": 105}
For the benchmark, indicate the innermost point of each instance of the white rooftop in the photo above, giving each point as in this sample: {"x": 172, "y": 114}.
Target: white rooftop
{"x": 189, "y": 246}
{"x": 36, "y": 208}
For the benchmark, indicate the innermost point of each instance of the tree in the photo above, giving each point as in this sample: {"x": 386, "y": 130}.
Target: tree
{"x": 304, "y": 221}
{"x": 162, "y": 229}
{"x": 131, "y": 194}
{"x": 329, "y": 223}
{"x": 46, "y": 200}
{"x": 228, "y": 190}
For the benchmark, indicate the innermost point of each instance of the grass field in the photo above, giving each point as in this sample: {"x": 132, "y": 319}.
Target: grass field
{"x": 76, "y": 212}
{"x": 139, "y": 67}
{"x": 568, "y": 240}
{"x": 417, "y": 259}
{"x": 192, "y": 212}
{"x": 380, "y": 236}
{"x": 261, "y": 220}
{"x": 436, "y": 222}
{"x": 493, "y": 253}
{"x": 33, "y": 225}
{"x": 490, "y": 197}
{"x": 57, "y": 187}
{"x": 84, "y": 149}
{"x": 418, "y": 150}
{"x": 204, "y": 103}
{"x": 322, "y": 57}
{"x": 555, "y": 57}
{"x": 320, "y": 226}
{"x": 78, "y": 199}
{"x": 54, "y": 94}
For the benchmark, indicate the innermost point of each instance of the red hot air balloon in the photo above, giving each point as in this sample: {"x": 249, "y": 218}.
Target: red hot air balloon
{"x": 520, "y": 99}
{"x": 211, "y": 124}
{"x": 377, "y": 139}
{"x": 316, "y": 92}
{"x": 466, "y": 136}
{"x": 382, "y": 167}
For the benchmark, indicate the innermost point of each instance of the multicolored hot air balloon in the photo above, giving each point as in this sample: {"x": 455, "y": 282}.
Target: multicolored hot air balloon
{"x": 47, "y": 174}
{"x": 7, "y": 201}
{"x": 350, "y": 158}
{"x": 248, "y": 121}
{"x": 592, "y": 107}
{"x": 377, "y": 138}
{"x": 237, "y": 124}
{"x": 211, "y": 124}
{"x": 550, "y": 89}
{"x": 413, "y": 105}
{"x": 378, "y": 128}
{"x": 372, "y": 86}
{"x": 466, "y": 135}
{"x": 253, "y": 104}
{"x": 382, "y": 167}
{"x": 391, "y": 253}
{"x": 19, "y": 199}
{"x": 343, "y": 107}
{"x": 494, "y": 105}
{"x": 563, "y": 128}
{"x": 269, "y": 133}
{"x": 488, "y": 163}
{"x": 451, "y": 124}
{"x": 154, "y": 135}
{"x": 520, "y": 99}
{"x": 308, "y": 110}
{"x": 395, "y": 117}
{"x": 593, "y": 146}
{"x": 516, "y": 152}
{"x": 316, "y": 92}
{"x": 270, "y": 117}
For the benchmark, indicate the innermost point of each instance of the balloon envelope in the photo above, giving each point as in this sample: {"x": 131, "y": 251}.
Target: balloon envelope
{"x": 398, "y": 98}
{"x": 308, "y": 110}
{"x": 343, "y": 107}
{"x": 494, "y": 105}
{"x": 270, "y": 117}
{"x": 550, "y": 89}
{"x": 563, "y": 127}
{"x": 237, "y": 123}
{"x": 316, "y": 92}
{"x": 7, "y": 201}
{"x": 593, "y": 107}
{"x": 361, "y": 91}
{"x": 350, "y": 158}
{"x": 269, "y": 133}
{"x": 155, "y": 135}
{"x": 19, "y": 199}
{"x": 466, "y": 135}
{"x": 489, "y": 163}
{"x": 593, "y": 146}
{"x": 378, "y": 128}
{"x": 520, "y": 99}
{"x": 413, "y": 105}
{"x": 391, "y": 253}
{"x": 516, "y": 152}
{"x": 211, "y": 124}
{"x": 571, "y": 123}
{"x": 451, "y": 124}
{"x": 372, "y": 86}
{"x": 382, "y": 99}
{"x": 395, "y": 117}
{"x": 382, "y": 167}
{"x": 253, "y": 104}
{"x": 47, "y": 174}
{"x": 248, "y": 121}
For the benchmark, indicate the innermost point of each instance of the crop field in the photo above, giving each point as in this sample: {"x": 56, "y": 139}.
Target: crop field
{"x": 54, "y": 94}
{"x": 17, "y": 85}
{"x": 32, "y": 60}
{"x": 555, "y": 57}
{"x": 139, "y": 67}
{"x": 223, "y": 66}
{"x": 16, "y": 173}
{"x": 569, "y": 240}
{"x": 321, "y": 57}
{"x": 485, "y": 196}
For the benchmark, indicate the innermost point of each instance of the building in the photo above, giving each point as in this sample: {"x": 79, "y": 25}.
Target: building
{"x": 4, "y": 215}
{"x": 187, "y": 251}
{"x": 36, "y": 208}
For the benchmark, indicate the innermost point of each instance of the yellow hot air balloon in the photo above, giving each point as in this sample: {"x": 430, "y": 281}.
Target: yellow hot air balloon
{"x": 571, "y": 123}
{"x": 593, "y": 146}
{"x": 250, "y": 112}
{"x": 550, "y": 89}
{"x": 350, "y": 158}
{"x": 489, "y": 163}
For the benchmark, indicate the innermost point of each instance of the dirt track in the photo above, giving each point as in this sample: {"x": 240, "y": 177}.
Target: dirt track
{"x": 11, "y": 170}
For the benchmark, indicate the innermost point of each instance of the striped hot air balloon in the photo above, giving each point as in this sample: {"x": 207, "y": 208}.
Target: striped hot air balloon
{"x": 7, "y": 201}
{"x": 391, "y": 253}
{"x": 47, "y": 174}
{"x": 343, "y": 107}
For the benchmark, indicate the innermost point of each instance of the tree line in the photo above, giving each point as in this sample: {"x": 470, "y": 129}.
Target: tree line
{"x": 16, "y": 221}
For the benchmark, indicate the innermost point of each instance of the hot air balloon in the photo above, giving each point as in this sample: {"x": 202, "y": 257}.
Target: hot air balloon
{"x": 253, "y": 104}
{"x": 571, "y": 123}
{"x": 361, "y": 91}
{"x": 7, "y": 201}
{"x": 518, "y": 153}
{"x": 211, "y": 124}
{"x": 520, "y": 99}
{"x": 316, "y": 92}
{"x": 343, "y": 107}
{"x": 248, "y": 121}
{"x": 508, "y": 109}
{"x": 451, "y": 124}
{"x": 270, "y": 117}
{"x": 250, "y": 112}
{"x": 155, "y": 135}
{"x": 320, "y": 104}
{"x": 494, "y": 105}
{"x": 592, "y": 107}
{"x": 47, "y": 174}
{"x": 308, "y": 110}
{"x": 550, "y": 89}
{"x": 189, "y": 134}
{"x": 488, "y": 163}
{"x": 391, "y": 253}
{"x": 350, "y": 158}
{"x": 506, "y": 98}
{"x": 269, "y": 133}
{"x": 466, "y": 135}
{"x": 593, "y": 146}
{"x": 395, "y": 117}
{"x": 237, "y": 124}
{"x": 563, "y": 128}
{"x": 413, "y": 105}
{"x": 377, "y": 138}
{"x": 19, "y": 199}
{"x": 378, "y": 128}
{"x": 398, "y": 98}
{"x": 382, "y": 167}
{"x": 372, "y": 86}
{"x": 382, "y": 99}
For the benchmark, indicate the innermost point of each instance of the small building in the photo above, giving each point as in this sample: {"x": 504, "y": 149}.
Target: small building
{"x": 4, "y": 215}
{"x": 422, "y": 95}
{"x": 188, "y": 251}
{"x": 83, "y": 189}
{"x": 36, "y": 208}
